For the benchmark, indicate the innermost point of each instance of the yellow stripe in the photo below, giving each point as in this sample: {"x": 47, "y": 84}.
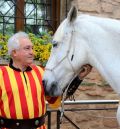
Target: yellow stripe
{"x": 5, "y": 98}
{"x": 38, "y": 92}
{"x": 42, "y": 72}
{"x": 15, "y": 93}
{"x": 29, "y": 98}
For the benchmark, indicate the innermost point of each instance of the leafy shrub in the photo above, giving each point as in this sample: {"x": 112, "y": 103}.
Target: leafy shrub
{"x": 42, "y": 47}
{"x": 3, "y": 46}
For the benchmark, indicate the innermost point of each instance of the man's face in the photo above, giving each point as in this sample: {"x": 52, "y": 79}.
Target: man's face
{"x": 24, "y": 54}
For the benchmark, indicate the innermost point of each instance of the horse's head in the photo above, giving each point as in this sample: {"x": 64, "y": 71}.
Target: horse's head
{"x": 67, "y": 56}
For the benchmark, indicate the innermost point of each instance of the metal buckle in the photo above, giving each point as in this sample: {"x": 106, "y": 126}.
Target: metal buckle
{"x": 36, "y": 122}
{"x": 17, "y": 123}
{"x": 1, "y": 121}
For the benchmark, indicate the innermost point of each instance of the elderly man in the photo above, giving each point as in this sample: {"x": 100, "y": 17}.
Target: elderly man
{"x": 22, "y": 98}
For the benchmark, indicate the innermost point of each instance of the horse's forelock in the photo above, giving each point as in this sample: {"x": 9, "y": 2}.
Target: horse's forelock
{"x": 62, "y": 29}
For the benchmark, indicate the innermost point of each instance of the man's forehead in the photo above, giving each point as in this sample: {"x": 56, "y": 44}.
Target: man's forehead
{"x": 25, "y": 42}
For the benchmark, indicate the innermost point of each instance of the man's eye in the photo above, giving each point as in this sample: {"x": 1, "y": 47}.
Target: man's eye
{"x": 27, "y": 48}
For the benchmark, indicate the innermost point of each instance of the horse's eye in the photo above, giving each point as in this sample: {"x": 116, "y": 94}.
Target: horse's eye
{"x": 54, "y": 43}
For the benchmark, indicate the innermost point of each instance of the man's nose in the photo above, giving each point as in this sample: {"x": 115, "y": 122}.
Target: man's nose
{"x": 31, "y": 51}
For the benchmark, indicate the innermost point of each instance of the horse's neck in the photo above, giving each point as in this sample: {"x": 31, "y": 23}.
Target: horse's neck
{"x": 104, "y": 51}
{"x": 107, "y": 62}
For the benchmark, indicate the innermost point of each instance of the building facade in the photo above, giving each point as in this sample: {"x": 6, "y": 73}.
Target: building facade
{"x": 105, "y": 8}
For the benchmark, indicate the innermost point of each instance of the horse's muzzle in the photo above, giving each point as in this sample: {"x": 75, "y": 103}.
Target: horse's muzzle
{"x": 52, "y": 90}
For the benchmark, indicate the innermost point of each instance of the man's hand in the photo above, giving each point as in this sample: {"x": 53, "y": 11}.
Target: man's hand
{"x": 86, "y": 69}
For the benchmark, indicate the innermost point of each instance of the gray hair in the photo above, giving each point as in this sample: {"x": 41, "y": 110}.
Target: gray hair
{"x": 13, "y": 42}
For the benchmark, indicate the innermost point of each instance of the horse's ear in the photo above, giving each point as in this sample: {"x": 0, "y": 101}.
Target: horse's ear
{"x": 72, "y": 14}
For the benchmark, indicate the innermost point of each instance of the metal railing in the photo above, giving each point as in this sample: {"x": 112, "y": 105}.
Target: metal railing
{"x": 78, "y": 102}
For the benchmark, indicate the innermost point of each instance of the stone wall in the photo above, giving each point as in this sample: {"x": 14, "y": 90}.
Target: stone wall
{"x": 106, "y": 8}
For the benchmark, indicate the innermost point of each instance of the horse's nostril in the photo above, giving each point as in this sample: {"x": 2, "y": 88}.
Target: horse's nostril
{"x": 54, "y": 84}
{"x": 52, "y": 90}
{"x": 55, "y": 89}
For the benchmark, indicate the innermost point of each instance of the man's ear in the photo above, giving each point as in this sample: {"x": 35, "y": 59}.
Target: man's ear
{"x": 13, "y": 53}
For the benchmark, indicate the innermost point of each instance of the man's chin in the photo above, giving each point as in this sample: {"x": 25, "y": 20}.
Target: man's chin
{"x": 30, "y": 62}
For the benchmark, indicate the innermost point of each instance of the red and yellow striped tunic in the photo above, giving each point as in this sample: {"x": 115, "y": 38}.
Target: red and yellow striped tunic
{"x": 21, "y": 93}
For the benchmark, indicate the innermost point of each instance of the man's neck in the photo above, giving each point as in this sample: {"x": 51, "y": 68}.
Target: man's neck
{"x": 19, "y": 66}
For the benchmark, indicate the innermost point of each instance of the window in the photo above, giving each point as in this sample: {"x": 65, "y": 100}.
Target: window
{"x": 37, "y": 16}
{"x": 7, "y": 10}
{"x": 33, "y": 16}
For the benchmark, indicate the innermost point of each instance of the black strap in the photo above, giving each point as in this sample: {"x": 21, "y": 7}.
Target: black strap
{"x": 22, "y": 123}
{"x": 73, "y": 86}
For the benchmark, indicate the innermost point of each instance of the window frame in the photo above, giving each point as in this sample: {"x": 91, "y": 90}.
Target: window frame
{"x": 20, "y": 19}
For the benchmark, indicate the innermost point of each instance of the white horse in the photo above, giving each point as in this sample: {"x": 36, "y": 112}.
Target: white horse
{"x": 81, "y": 40}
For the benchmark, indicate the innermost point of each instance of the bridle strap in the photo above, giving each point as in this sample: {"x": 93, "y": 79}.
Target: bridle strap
{"x": 73, "y": 69}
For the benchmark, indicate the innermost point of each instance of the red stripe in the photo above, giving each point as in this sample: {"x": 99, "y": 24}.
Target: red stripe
{"x": 22, "y": 95}
{"x": 44, "y": 127}
{"x": 34, "y": 93}
{"x": 9, "y": 94}
{"x": 1, "y": 105}
{"x": 42, "y": 89}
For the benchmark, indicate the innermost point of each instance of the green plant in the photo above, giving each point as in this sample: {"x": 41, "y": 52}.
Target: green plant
{"x": 3, "y": 46}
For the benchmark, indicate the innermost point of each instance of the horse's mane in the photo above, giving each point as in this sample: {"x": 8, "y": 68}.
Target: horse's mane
{"x": 108, "y": 24}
